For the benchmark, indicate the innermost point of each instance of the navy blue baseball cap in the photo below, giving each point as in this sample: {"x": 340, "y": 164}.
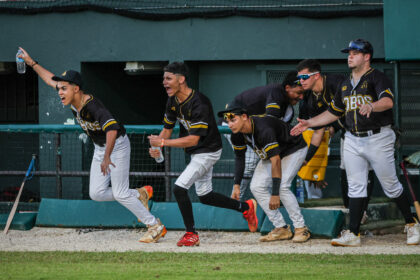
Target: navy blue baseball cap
{"x": 70, "y": 76}
{"x": 359, "y": 45}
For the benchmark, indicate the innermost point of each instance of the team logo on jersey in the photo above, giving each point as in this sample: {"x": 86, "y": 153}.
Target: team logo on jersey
{"x": 344, "y": 88}
{"x": 64, "y": 73}
{"x": 186, "y": 124}
{"x": 93, "y": 126}
{"x": 262, "y": 154}
{"x": 173, "y": 108}
{"x": 365, "y": 84}
{"x": 351, "y": 101}
{"x": 319, "y": 104}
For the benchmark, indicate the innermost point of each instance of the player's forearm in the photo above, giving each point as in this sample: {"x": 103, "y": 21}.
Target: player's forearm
{"x": 382, "y": 104}
{"x": 166, "y": 133}
{"x": 183, "y": 142}
{"x": 239, "y": 169}
{"x": 44, "y": 74}
{"x": 322, "y": 119}
{"x": 276, "y": 175}
{"x": 317, "y": 137}
{"x": 111, "y": 137}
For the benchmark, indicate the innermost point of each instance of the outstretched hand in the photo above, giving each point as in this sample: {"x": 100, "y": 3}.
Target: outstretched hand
{"x": 300, "y": 127}
{"x": 25, "y": 56}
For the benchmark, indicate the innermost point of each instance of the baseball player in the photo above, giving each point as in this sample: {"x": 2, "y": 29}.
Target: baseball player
{"x": 321, "y": 90}
{"x": 200, "y": 138}
{"x": 366, "y": 101}
{"x": 276, "y": 100}
{"x": 281, "y": 156}
{"x": 111, "y": 158}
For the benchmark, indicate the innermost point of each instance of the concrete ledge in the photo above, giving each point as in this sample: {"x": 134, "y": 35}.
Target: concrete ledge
{"x": 21, "y": 221}
{"x": 85, "y": 213}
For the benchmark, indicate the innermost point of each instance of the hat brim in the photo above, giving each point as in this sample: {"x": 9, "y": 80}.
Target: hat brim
{"x": 347, "y": 50}
{"x": 238, "y": 111}
{"x": 61, "y": 79}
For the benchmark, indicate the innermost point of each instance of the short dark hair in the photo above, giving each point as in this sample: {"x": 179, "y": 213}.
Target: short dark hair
{"x": 311, "y": 64}
{"x": 177, "y": 68}
{"x": 291, "y": 80}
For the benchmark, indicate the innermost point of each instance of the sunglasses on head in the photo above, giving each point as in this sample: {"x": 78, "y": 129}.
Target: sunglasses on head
{"x": 228, "y": 116}
{"x": 306, "y": 76}
{"x": 359, "y": 46}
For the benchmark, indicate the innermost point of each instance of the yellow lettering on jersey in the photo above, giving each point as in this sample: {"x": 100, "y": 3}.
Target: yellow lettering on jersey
{"x": 343, "y": 88}
{"x": 186, "y": 124}
{"x": 365, "y": 84}
{"x": 88, "y": 125}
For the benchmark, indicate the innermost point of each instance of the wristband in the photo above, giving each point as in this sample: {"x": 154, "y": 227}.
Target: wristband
{"x": 35, "y": 63}
{"x": 163, "y": 143}
{"x": 311, "y": 152}
{"x": 275, "y": 190}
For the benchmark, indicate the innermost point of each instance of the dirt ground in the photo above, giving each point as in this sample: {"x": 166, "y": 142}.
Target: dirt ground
{"x": 122, "y": 240}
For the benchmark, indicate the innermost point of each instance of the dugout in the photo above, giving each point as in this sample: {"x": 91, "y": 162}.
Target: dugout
{"x": 229, "y": 46}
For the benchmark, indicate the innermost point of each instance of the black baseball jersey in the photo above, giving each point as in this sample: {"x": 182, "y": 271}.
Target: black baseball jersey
{"x": 314, "y": 104}
{"x": 270, "y": 99}
{"x": 372, "y": 86}
{"x": 96, "y": 121}
{"x": 195, "y": 116}
{"x": 270, "y": 136}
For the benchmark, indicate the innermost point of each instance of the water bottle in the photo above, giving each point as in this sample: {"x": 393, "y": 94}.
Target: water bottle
{"x": 20, "y": 63}
{"x": 300, "y": 191}
{"x": 160, "y": 158}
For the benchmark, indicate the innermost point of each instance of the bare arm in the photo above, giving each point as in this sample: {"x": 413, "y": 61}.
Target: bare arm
{"x": 317, "y": 137}
{"x": 320, "y": 120}
{"x": 111, "y": 136}
{"x": 183, "y": 142}
{"x": 43, "y": 73}
{"x": 381, "y": 105}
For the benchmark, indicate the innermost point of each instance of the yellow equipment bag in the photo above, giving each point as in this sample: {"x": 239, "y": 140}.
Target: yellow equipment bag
{"x": 315, "y": 169}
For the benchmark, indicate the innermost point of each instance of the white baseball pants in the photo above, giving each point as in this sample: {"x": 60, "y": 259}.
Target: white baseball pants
{"x": 99, "y": 189}
{"x": 261, "y": 185}
{"x": 377, "y": 151}
{"x": 199, "y": 172}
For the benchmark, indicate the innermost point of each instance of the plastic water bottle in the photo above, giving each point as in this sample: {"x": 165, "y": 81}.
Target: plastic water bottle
{"x": 20, "y": 63}
{"x": 160, "y": 158}
{"x": 300, "y": 191}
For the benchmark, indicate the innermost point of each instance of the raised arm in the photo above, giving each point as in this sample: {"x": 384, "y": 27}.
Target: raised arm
{"x": 320, "y": 120}
{"x": 43, "y": 73}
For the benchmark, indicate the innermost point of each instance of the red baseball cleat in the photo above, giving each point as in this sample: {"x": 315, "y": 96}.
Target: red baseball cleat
{"x": 189, "y": 239}
{"x": 251, "y": 215}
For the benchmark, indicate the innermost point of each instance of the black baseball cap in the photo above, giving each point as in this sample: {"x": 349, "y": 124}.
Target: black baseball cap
{"x": 359, "y": 45}
{"x": 70, "y": 76}
{"x": 234, "y": 108}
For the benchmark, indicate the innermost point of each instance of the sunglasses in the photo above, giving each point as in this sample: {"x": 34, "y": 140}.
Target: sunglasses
{"x": 359, "y": 46}
{"x": 306, "y": 76}
{"x": 228, "y": 116}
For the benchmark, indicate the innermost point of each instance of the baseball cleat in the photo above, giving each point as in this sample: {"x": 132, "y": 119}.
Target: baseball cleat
{"x": 347, "y": 239}
{"x": 301, "y": 235}
{"x": 251, "y": 215}
{"x": 189, "y": 239}
{"x": 154, "y": 233}
{"x": 277, "y": 234}
{"x": 146, "y": 193}
{"x": 413, "y": 233}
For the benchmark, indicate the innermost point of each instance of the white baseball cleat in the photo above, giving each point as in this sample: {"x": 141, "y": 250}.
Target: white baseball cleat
{"x": 346, "y": 239}
{"x": 413, "y": 233}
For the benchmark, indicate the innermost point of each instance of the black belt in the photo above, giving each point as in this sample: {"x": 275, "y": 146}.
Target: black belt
{"x": 365, "y": 133}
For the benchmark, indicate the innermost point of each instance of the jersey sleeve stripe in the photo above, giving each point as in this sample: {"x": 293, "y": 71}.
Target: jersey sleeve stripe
{"x": 332, "y": 105}
{"x": 238, "y": 148}
{"x": 272, "y": 106}
{"x": 108, "y": 123}
{"x": 388, "y": 91}
{"x": 199, "y": 126}
{"x": 204, "y": 123}
{"x": 165, "y": 119}
{"x": 270, "y": 146}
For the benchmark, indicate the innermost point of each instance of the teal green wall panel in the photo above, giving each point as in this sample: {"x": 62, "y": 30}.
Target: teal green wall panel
{"x": 63, "y": 41}
{"x": 21, "y": 221}
{"x": 401, "y": 28}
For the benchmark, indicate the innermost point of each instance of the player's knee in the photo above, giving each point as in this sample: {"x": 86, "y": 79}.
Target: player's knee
{"x": 206, "y": 199}
{"x": 96, "y": 196}
{"x": 180, "y": 193}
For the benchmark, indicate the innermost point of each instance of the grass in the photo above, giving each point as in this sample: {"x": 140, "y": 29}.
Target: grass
{"x": 140, "y": 265}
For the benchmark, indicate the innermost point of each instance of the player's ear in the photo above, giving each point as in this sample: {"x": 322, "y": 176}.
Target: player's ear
{"x": 181, "y": 79}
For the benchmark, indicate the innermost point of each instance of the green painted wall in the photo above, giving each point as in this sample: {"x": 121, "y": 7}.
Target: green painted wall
{"x": 62, "y": 41}
{"x": 402, "y": 34}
